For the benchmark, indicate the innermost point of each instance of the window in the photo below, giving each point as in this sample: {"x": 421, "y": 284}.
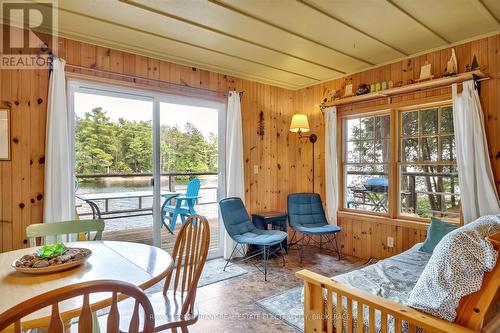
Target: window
{"x": 366, "y": 163}
{"x": 427, "y": 168}
{"x": 409, "y": 173}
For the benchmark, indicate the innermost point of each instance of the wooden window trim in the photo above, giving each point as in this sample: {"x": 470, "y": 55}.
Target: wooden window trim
{"x": 341, "y": 145}
{"x": 439, "y": 135}
{"x": 395, "y": 111}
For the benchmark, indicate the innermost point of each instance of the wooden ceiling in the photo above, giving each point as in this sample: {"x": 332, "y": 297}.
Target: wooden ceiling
{"x": 287, "y": 43}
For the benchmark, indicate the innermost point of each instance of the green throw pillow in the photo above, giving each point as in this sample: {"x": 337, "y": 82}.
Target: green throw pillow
{"x": 435, "y": 232}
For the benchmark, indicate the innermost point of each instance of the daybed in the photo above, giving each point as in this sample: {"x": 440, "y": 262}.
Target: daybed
{"x": 383, "y": 289}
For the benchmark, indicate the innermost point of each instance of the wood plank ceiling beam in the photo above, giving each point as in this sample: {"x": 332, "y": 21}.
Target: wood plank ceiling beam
{"x": 481, "y": 6}
{"x": 321, "y": 11}
{"x": 276, "y": 26}
{"x": 224, "y": 33}
{"x": 444, "y": 39}
{"x": 187, "y": 43}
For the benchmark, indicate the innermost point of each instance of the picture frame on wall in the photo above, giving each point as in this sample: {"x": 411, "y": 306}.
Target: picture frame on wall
{"x": 5, "y": 151}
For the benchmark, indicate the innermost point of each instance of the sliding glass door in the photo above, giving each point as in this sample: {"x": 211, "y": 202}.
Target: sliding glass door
{"x": 134, "y": 150}
{"x": 191, "y": 135}
{"x": 113, "y": 160}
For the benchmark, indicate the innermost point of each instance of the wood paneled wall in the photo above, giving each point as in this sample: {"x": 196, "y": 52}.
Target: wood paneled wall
{"x": 367, "y": 237}
{"x": 21, "y": 179}
{"x": 284, "y": 161}
{"x": 25, "y": 93}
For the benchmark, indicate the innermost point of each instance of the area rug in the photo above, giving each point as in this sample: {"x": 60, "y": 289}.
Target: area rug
{"x": 288, "y": 305}
{"x": 212, "y": 273}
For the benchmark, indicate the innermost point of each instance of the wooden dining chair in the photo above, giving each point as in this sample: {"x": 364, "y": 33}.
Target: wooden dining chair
{"x": 175, "y": 306}
{"x": 52, "y": 298}
{"x": 42, "y": 230}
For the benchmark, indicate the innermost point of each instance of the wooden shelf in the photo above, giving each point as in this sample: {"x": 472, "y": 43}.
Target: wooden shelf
{"x": 410, "y": 88}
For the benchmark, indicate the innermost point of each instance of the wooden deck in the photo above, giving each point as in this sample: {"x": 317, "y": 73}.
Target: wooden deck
{"x": 143, "y": 235}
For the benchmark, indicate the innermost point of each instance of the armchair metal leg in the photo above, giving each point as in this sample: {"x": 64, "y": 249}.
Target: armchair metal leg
{"x": 301, "y": 249}
{"x": 291, "y": 243}
{"x": 337, "y": 245}
{"x": 282, "y": 254}
{"x": 229, "y": 259}
{"x": 331, "y": 239}
{"x": 265, "y": 261}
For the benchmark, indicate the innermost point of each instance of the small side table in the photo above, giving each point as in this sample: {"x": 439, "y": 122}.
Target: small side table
{"x": 277, "y": 220}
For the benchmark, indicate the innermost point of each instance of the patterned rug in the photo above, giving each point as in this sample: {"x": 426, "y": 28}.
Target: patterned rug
{"x": 212, "y": 273}
{"x": 288, "y": 306}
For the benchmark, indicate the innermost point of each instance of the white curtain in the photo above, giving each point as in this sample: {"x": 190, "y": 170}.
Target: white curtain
{"x": 331, "y": 167}
{"x": 235, "y": 177}
{"x": 59, "y": 201}
{"x": 477, "y": 186}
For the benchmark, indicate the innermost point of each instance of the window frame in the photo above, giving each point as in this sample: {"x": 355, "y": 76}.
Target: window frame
{"x": 400, "y": 111}
{"x": 394, "y": 163}
{"x": 342, "y": 130}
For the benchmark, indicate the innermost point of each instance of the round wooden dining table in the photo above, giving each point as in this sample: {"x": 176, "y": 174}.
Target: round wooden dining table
{"x": 140, "y": 264}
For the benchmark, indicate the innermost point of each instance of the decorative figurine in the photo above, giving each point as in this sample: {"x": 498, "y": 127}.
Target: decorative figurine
{"x": 467, "y": 68}
{"x": 363, "y": 89}
{"x": 384, "y": 85}
{"x": 426, "y": 72}
{"x": 377, "y": 86}
{"x": 410, "y": 81}
{"x": 334, "y": 94}
{"x": 391, "y": 84}
{"x": 475, "y": 65}
{"x": 372, "y": 87}
{"x": 326, "y": 95}
{"x": 399, "y": 84}
{"x": 451, "y": 65}
{"x": 348, "y": 89}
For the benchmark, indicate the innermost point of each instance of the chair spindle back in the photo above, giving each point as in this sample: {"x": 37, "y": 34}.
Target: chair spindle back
{"x": 190, "y": 254}
{"x": 57, "y": 325}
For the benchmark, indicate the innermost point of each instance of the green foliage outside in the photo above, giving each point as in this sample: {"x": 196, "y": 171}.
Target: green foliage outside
{"x": 427, "y": 136}
{"x": 104, "y": 146}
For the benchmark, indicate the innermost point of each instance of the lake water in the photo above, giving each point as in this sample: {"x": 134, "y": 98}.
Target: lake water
{"x": 131, "y": 184}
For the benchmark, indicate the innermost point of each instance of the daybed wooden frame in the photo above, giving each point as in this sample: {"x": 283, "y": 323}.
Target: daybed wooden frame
{"x": 318, "y": 314}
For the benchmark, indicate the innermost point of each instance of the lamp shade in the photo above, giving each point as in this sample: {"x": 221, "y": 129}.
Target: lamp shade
{"x": 299, "y": 124}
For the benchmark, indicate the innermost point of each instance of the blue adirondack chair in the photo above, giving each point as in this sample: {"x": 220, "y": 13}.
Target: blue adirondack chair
{"x": 183, "y": 206}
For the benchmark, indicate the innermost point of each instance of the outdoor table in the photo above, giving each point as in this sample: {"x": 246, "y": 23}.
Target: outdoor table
{"x": 92, "y": 200}
{"x": 374, "y": 200}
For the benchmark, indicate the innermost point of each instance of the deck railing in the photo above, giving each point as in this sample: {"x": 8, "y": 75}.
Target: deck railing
{"x": 140, "y": 209}
{"x": 411, "y": 194}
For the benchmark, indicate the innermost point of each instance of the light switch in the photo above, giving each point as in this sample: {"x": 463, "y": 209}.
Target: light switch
{"x": 255, "y": 169}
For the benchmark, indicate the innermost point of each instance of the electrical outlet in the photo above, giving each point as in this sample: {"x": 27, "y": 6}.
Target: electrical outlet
{"x": 255, "y": 169}
{"x": 390, "y": 242}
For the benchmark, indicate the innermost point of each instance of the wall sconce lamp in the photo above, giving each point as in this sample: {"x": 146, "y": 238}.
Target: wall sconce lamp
{"x": 300, "y": 125}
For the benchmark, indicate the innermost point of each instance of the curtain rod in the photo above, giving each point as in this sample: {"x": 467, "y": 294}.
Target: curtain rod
{"x": 136, "y": 77}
